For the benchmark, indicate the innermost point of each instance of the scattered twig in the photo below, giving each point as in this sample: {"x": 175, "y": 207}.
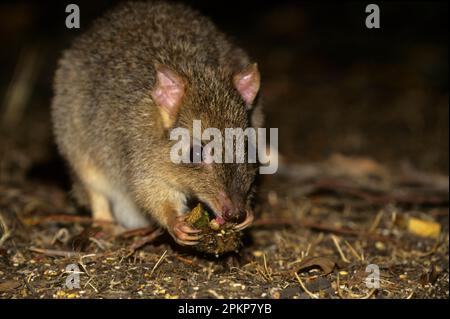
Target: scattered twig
{"x": 81, "y": 262}
{"x": 185, "y": 260}
{"x": 64, "y": 218}
{"x": 376, "y": 222}
{"x": 341, "y": 253}
{"x": 90, "y": 284}
{"x": 62, "y": 235}
{"x": 29, "y": 286}
{"x": 215, "y": 294}
{"x": 6, "y": 232}
{"x": 313, "y": 296}
{"x": 338, "y": 288}
{"x": 353, "y": 251}
{"x": 431, "y": 251}
{"x": 19, "y": 92}
{"x": 55, "y": 253}
{"x": 353, "y": 296}
{"x": 144, "y": 240}
{"x": 269, "y": 273}
{"x": 99, "y": 243}
{"x": 137, "y": 232}
{"x": 264, "y": 271}
{"x": 158, "y": 262}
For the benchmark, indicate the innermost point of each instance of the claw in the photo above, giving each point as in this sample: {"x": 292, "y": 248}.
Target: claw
{"x": 185, "y": 243}
{"x": 184, "y": 234}
{"x": 189, "y": 230}
{"x": 247, "y": 222}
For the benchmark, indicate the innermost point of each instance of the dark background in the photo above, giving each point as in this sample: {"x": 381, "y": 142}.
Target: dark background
{"x": 329, "y": 83}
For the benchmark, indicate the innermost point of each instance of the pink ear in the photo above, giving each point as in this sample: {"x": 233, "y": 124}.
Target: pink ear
{"x": 168, "y": 91}
{"x": 247, "y": 83}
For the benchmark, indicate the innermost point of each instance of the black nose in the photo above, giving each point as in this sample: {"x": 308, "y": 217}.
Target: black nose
{"x": 233, "y": 215}
{"x": 227, "y": 213}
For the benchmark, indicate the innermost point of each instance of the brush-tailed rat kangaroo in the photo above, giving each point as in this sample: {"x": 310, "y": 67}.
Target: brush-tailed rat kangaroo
{"x": 136, "y": 73}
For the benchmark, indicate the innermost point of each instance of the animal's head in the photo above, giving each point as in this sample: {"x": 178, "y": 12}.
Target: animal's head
{"x": 217, "y": 101}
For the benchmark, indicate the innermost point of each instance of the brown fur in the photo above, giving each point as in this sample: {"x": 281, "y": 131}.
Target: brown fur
{"x": 109, "y": 130}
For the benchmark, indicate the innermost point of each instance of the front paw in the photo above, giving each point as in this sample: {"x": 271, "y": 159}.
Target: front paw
{"x": 183, "y": 233}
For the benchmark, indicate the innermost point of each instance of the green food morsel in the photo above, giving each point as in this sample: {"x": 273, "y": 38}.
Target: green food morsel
{"x": 214, "y": 241}
{"x": 198, "y": 217}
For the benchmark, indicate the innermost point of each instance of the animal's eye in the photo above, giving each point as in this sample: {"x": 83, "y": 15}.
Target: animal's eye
{"x": 195, "y": 154}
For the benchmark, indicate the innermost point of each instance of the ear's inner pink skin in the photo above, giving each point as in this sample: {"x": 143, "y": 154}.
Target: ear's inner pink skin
{"x": 169, "y": 90}
{"x": 247, "y": 83}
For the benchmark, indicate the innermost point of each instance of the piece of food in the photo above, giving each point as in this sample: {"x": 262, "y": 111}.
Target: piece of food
{"x": 424, "y": 228}
{"x": 218, "y": 237}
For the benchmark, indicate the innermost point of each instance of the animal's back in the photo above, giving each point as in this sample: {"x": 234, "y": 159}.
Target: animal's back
{"x": 110, "y": 68}
{"x": 111, "y": 127}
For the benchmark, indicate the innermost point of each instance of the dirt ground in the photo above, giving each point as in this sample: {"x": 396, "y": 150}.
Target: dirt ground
{"x": 362, "y": 187}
